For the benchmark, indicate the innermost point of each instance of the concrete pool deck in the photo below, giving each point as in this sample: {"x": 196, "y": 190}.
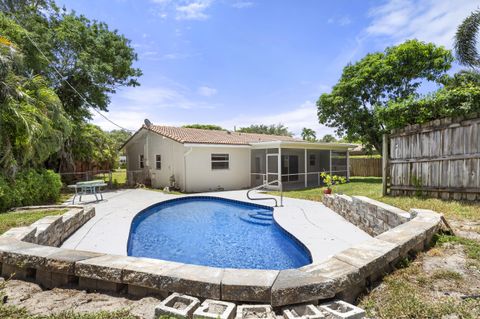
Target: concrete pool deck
{"x": 319, "y": 228}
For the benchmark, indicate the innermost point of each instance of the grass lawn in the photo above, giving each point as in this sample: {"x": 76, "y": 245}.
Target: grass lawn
{"x": 25, "y": 218}
{"x": 119, "y": 177}
{"x": 432, "y": 285}
{"x": 372, "y": 187}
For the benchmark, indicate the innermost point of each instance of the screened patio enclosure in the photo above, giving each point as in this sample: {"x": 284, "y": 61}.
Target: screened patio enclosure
{"x": 297, "y": 164}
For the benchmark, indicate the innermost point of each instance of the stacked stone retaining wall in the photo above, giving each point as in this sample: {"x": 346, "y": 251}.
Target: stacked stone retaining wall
{"x": 371, "y": 216}
{"x": 23, "y": 254}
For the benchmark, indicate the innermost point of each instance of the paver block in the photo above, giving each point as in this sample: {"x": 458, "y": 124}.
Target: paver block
{"x": 295, "y": 286}
{"x": 407, "y": 236}
{"x": 303, "y": 312}
{"x": 215, "y": 309}
{"x": 9, "y": 244}
{"x": 63, "y": 261}
{"x": 371, "y": 256}
{"x": 194, "y": 280}
{"x": 344, "y": 274}
{"x": 342, "y": 310}
{"x": 178, "y": 306}
{"x": 141, "y": 292}
{"x": 15, "y": 272}
{"x": 149, "y": 273}
{"x": 253, "y": 285}
{"x": 90, "y": 284}
{"x": 106, "y": 267}
{"x": 26, "y": 233}
{"x": 51, "y": 280}
{"x": 33, "y": 256}
{"x": 255, "y": 311}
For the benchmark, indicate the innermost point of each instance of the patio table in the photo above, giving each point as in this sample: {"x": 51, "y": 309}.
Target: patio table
{"x": 89, "y": 187}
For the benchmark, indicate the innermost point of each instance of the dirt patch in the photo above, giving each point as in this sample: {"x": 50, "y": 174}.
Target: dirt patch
{"x": 466, "y": 228}
{"x": 45, "y": 302}
{"x": 443, "y": 282}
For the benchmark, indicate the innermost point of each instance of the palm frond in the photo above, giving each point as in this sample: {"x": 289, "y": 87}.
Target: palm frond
{"x": 466, "y": 40}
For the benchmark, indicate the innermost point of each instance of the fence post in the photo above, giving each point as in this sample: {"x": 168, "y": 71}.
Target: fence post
{"x": 385, "y": 157}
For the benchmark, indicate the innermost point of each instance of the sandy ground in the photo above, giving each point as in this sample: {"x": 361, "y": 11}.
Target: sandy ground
{"x": 44, "y": 302}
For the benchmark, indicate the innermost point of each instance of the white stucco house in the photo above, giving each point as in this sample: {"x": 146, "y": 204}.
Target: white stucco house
{"x": 197, "y": 160}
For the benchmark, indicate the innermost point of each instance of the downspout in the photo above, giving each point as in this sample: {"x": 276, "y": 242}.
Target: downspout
{"x": 185, "y": 168}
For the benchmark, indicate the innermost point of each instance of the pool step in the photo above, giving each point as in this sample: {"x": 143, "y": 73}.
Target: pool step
{"x": 256, "y": 221}
{"x": 260, "y": 216}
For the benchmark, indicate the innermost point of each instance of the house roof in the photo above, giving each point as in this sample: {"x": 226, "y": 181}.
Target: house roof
{"x": 193, "y": 135}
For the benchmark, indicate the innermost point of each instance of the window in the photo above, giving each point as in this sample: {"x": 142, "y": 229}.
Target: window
{"x": 141, "y": 161}
{"x": 312, "y": 160}
{"x": 220, "y": 161}
{"x": 158, "y": 162}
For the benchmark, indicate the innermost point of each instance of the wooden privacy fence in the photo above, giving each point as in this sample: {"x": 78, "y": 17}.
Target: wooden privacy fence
{"x": 365, "y": 166}
{"x": 439, "y": 159}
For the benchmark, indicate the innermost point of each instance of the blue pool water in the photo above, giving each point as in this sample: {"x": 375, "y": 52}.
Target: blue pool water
{"x": 214, "y": 232}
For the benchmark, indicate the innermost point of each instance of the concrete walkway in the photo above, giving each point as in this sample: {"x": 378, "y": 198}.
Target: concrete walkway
{"x": 321, "y": 230}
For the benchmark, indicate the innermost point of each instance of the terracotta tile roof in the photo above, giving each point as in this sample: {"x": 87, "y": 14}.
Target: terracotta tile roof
{"x": 193, "y": 135}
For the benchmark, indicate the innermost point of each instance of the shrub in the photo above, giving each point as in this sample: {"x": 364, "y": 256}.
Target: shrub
{"x": 29, "y": 187}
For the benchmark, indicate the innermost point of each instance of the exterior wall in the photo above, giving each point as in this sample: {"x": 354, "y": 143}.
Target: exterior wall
{"x": 171, "y": 153}
{"x": 199, "y": 174}
{"x": 151, "y": 144}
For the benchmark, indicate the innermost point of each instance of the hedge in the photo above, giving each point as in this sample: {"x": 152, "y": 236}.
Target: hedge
{"x": 30, "y": 187}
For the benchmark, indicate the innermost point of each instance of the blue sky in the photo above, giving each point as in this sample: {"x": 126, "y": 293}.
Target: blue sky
{"x": 240, "y": 62}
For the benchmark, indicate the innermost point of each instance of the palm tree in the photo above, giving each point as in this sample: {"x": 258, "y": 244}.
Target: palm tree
{"x": 308, "y": 134}
{"x": 32, "y": 120}
{"x": 466, "y": 40}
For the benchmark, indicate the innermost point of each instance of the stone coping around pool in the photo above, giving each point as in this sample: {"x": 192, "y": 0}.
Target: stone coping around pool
{"x": 23, "y": 254}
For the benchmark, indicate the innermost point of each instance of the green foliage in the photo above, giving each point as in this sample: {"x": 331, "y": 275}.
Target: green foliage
{"x": 93, "y": 145}
{"x": 30, "y": 187}
{"x": 205, "y": 127}
{"x": 119, "y": 137}
{"x": 472, "y": 247}
{"x": 376, "y": 81}
{"x": 33, "y": 124}
{"x": 466, "y": 40}
{"x": 459, "y": 96}
{"x": 94, "y": 59}
{"x": 328, "y": 138}
{"x": 309, "y": 135}
{"x": 330, "y": 180}
{"x": 274, "y": 129}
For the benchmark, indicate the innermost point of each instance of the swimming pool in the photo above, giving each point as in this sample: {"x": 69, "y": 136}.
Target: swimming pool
{"x": 215, "y": 232}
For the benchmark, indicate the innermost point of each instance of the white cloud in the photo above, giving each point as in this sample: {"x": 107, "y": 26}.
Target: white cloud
{"x": 193, "y": 11}
{"x": 131, "y": 105}
{"x": 242, "y": 4}
{"x": 427, "y": 20}
{"x": 302, "y": 116}
{"x": 341, "y": 21}
{"x": 206, "y": 91}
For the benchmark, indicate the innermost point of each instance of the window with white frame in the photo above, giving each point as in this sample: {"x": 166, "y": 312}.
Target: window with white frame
{"x": 220, "y": 161}
{"x": 158, "y": 162}
{"x": 141, "y": 161}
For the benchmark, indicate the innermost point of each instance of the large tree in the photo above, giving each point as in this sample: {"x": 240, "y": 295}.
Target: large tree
{"x": 274, "y": 129}
{"x": 374, "y": 82}
{"x": 458, "y": 96}
{"x": 92, "y": 58}
{"x": 33, "y": 124}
